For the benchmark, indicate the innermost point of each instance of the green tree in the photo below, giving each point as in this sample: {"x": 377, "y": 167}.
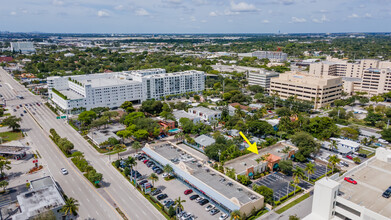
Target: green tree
{"x": 310, "y": 169}
{"x": 357, "y": 160}
{"x": 48, "y": 215}
{"x": 131, "y": 161}
{"x": 137, "y": 146}
{"x": 12, "y": 122}
{"x": 4, "y": 165}
{"x": 293, "y": 217}
{"x": 306, "y": 144}
{"x": 128, "y": 106}
{"x": 372, "y": 118}
{"x": 265, "y": 191}
{"x": 153, "y": 177}
{"x": 70, "y": 207}
{"x": 110, "y": 114}
{"x": 386, "y": 134}
{"x": 236, "y": 215}
{"x": 3, "y": 184}
{"x": 86, "y": 117}
{"x": 178, "y": 203}
{"x": 334, "y": 160}
{"x": 141, "y": 134}
{"x": 298, "y": 174}
{"x": 350, "y": 133}
{"x": 286, "y": 166}
{"x": 168, "y": 168}
{"x": 99, "y": 110}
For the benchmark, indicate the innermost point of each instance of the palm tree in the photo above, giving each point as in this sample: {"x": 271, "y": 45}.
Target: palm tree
{"x": 372, "y": 139}
{"x": 297, "y": 174}
{"x": 4, "y": 184}
{"x": 176, "y": 136}
{"x": 286, "y": 149}
{"x": 236, "y": 215}
{"x": 137, "y": 146}
{"x": 118, "y": 149}
{"x": 153, "y": 177}
{"x": 131, "y": 161}
{"x": 168, "y": 168}
{"x": 71, "y": 206}
{"x": 334, "y": 145}
{"x": 179, "y": 206}
{"x": 334, "y": 160}
{"x": 262, "y": 158}
{"x": 4, "y": 165}
{"x": 310, "y": 168}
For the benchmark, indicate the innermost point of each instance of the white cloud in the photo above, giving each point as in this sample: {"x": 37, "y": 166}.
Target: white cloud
{"x": 174, "y": 1}
{"x": 119, "y": 7}
{"x": 142, "y": 12}
{"x": 213, "y": 14}
{"x": 367, "y": 15}
{"x": 297, "y": 20}
{"x": 353, "y": 16}
{"x": 265, "y": 21}
{"x": 321, "y": 20}
{"x": 58, "y": 2}
{"x": 103, "y": 13}
{"x": 242, "y": 7}
{"x": 12, "y": 13}
{"x": 192, "y": 18}
{"x": 204, "y": 21}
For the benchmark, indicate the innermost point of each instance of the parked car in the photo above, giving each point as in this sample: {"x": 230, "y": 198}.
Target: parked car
{"x": 387, "y": 193}
{"x": 142, "y": 182}
{"x": 194, "y": 197}
{"x": 186, "y": 216}
{"x": 350, "y": 180}
{"x": 209, "y": 207}
{"x": 25, "y": 111}
{"x": 203, "y": 202}
{"x": 170, "y": 203}
{"x": 214, "y": 211}
{"x": 198, "y": 200}
{"x": 167, "y": 201}
{"x": 145, "y": 161}
{"x": 64, "y": 171}
{"x": 21, "y": 114}
{"x": 161, "y": 196}
{"x": 223, "y": 216}
{"x": 156, "y": 192}
{"x": 349, "y": 157}
{"x": 362, "y": 155}
{"x": 166, "y": 175}
{"x": 188, "y": 191}
{"x": 344, "y": 163}
{"x": 159, "y": 171}
{"x": 180, "y": 214}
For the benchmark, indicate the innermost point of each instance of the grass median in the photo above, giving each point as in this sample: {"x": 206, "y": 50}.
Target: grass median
{"x": 291, "y": 204}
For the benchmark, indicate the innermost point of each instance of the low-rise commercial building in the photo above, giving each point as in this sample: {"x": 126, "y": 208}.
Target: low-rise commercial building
{"x": 43, "y": 196}
{"x": 339, "y": 199}
{"x": 178, "y": 114}
{"x": 320, "y": 90}
{"x": 72, "y": 93}
{"x": 196, "y": 173}
{"x": 261, "y": 78}
{"x": 206, "y": 114}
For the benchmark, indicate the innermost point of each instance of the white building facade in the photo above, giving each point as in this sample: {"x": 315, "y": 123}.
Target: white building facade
{"x": 206, "y": 114}
{"x": 72, "y": 93}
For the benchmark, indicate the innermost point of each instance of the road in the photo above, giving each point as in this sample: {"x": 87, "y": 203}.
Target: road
{"x": 118, "y": 189}
{"x": 73, "y": 184}
{"x": 301, "y": 210}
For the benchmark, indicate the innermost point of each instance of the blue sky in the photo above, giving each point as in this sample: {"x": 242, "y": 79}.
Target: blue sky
{"x": 195, "y": 16}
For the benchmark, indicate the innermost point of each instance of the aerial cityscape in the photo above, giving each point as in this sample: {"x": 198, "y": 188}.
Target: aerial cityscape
{"x": 198, "y": 109}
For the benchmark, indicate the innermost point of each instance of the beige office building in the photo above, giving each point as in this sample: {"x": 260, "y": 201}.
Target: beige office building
{"x": 357, "y": 76}
{"x": 321, "y": 90}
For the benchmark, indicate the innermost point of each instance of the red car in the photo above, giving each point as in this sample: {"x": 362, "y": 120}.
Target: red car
{"x": 349, "y": 157}
{"x": 350, "y": 180}
{"x": 145, "y": 161}
{"x": 187, "y": 192}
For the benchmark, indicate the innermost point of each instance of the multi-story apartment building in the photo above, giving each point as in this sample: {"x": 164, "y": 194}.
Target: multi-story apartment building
{"x": 276, "y": 56}
{"x": 334, "y": 198}
{"x": 321, "y": 90}
{"x": 206, "y": 114}
{"x": 261, "y": 78}
{"x": 353, "y": 73}
{"x": 71, "y": 93}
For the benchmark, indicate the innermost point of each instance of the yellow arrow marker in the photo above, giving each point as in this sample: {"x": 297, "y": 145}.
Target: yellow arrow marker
{"x": 252, "y": 147}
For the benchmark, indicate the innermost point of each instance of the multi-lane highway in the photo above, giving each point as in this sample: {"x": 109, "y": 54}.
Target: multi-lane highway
{"x": 38, "y": 121}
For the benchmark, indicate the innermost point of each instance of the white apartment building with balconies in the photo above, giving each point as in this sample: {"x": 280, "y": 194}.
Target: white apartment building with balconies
{"x": 73, "y": 93}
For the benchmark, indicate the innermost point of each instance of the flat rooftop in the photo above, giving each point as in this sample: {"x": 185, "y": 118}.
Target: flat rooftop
{"x": 101, "y": 135}
{"x": 241, "y": 163}
{"x": 38, "y": 201}
{"x": 204, "y": 110}
{"x": 227, "y": 187}
{"x": 71, "y": 94}
{"x": 10, "y": 149}
{"x": 109, "y": 81}
{"x": 372, "y": 181}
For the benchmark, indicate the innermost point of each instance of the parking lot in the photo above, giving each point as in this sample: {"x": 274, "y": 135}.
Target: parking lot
{"x": 174, "y": 189}
{"x": 319, "y": 170}
{"x": 278, "y": 183}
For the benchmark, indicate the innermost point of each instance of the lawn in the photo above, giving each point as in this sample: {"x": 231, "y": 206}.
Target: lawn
{"x": 10, "y": 136}
{"x": 362, "y": 151}
{"x": 298, "y": 200}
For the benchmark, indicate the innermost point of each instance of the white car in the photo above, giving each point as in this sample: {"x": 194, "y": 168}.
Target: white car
{"x": 166, "y": 175}
{"x": 199, "y": 199}
{"x": 223, "y": 216}
{"x": 209, "y": 207}
{"x": 64, "y": 171}
{"x": 186, "y": 216}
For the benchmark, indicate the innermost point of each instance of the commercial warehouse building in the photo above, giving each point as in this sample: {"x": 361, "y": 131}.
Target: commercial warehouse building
{"x": 71, "y": 93}
{"x": 337, "y": 199}
{"x": 196, "y": 173}
{"x": 320, "y": 90}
